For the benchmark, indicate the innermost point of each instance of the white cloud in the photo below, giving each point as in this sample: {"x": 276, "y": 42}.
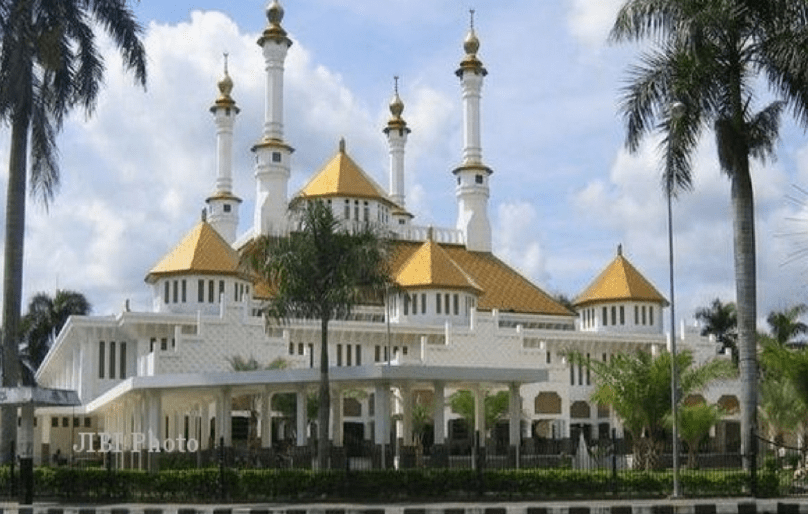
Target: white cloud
{"x": 591, "y": 20}
{"x": 515, "y": 239}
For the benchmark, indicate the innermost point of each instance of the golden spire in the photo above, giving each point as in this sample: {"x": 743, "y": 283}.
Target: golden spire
{"x": 225, "y": 86}
{"x": 471, "y": 45}
{"x": 274, "y": 31}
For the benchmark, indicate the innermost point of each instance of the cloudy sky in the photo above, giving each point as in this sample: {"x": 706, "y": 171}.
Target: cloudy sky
{"x": 564, "y": 192}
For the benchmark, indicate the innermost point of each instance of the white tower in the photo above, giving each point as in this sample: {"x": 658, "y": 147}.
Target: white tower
{"x": 222, "y": 210}
{"x": 272, "y": 154}
{"x": 396, "y": 131}
{"x": 472, "y": 174}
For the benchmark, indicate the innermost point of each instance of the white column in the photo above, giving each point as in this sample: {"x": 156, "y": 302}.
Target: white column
{"x": 382, "y": 414}
{"x": 302, "y": 422}
{"x": 204, "y": 412}
{"x": 224, "y": 411}
{"x": 515, "y": 415}
{"x": 438, "y": 414}
{"x": 407, "y": 406}
{"x": 266, "y": 418}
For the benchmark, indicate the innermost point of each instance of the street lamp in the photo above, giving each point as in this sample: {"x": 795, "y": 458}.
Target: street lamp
{"x": 676, "y": 111}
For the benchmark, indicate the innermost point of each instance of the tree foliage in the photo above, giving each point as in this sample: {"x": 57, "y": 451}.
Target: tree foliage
{"x": 44, "y": 319}
{"x": 495, "y": 407}
{"x": 720, "y": 320}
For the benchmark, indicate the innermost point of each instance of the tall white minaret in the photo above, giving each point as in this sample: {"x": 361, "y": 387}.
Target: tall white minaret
{"x": 472, "y": 175}
{"x": 396, "y": 131}
{"x": 222, "y": 205}
{"x": 272, "y": 153}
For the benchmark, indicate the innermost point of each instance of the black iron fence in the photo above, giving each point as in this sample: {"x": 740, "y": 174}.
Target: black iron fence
{"x": 537, "y": 469}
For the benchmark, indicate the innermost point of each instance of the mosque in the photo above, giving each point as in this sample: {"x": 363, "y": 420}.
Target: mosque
{"x": 460, "y": 319}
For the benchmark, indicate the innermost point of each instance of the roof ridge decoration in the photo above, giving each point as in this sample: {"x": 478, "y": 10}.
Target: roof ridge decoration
{"x": 620, "y": 281}
{"x": 202, "y": 251}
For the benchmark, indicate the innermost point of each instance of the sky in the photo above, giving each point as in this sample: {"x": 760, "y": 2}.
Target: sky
{"x": 564, "y": 192}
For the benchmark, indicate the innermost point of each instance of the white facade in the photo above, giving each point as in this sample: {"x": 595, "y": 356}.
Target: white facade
{"x": 471, "y": 323}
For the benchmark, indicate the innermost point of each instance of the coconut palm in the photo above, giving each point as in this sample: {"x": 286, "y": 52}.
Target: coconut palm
{"x": 44, "y": 319}
{"x": 720, "y": 320}
{"x": 637, "y": 386}
{"x": 49, "y": 64}
{"x": 695, "y": 422}
{"x": 320, "y": 271}
{"x": 706, "y": 56}
{"x": 785, "y": 325}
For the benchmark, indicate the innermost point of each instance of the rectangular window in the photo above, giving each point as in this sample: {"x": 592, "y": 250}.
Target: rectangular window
{"x": 367, "y": 212}
{"x": 622, "y": 315}
{"x": 605, "y": 317}
{"x": 164, "y": 343}
{"x": 221, "y": 290}
{"x": 122, "y": 371}
{"x": 301, "y": 348}
{"x": 406, "y": 304}
{"x": 54, "y": 421}
{"x": 358, "y": 355}
{"x": 311, "y": 355}
{"x": 643, "y": 314}
{"x": 456, "y": 305}
{"x": 356, "y": 210}
{"x": 65, "y": 422}
{"x": 339, "y": 355}
{"x": 423, "y": 303}
{"x": 580, "y": 374}
{"x": 651, "y": 315}
{"x": 348, "y": 355}
{"x": 102, "y": 362}
{"x": 446, "y": 303}
{"x": 378, "y": 354}
{"x": 210, "y": 291}
{"x": 614, "y": 315}
{"x": 572, "y": 374}
{"x": 235, "y": 292}
{"x": 636, "y": 315}
{"x": 200, "y": 291}
{"x": 88, "y": 421}
{"x": 437, "y": 302}
{"x": 175, "y": 296}
{"x": 166, "y": 291}
{"x": 291, "y": 348}
{"x": 548, "y": 357}
{"x": 112, "y": 359}
{"x": 415, "y": 304}
{"x": 347, "y": 210}
{"x": 184, "y": 290}
{"x": 588, "y": 373}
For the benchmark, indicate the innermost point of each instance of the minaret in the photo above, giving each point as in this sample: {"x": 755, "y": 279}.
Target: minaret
{"x": 472, "y": 174}
{"x": 272, "y": 154}
{"x": 396, "y": 131}
{"x": 223, "y": 205}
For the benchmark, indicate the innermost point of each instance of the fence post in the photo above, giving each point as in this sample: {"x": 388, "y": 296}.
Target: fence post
{"x": 614, "y": 460}
{"x": 12, "y": 461}
{"x": 222, "y": 481}
{"x": 753, "y": 464}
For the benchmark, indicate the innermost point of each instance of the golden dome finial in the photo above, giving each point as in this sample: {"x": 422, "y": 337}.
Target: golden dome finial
{"x": 396, "y": 105}
{"x": 471, "y": 44}
{"x": 275, "y": 13}
{"x": 226, "y": 84}
{"x": 342, "y": 145}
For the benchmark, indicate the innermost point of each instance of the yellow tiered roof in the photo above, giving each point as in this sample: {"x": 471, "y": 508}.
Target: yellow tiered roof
{"x": 431, "y": 267}
{"x": 499, "y": 286}
{"x": 620, "y": 281}
{"x": 202, "y": 251}
{"x": 342, "y": 177}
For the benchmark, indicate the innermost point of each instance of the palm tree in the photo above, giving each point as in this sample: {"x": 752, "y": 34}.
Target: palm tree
{"x": 695, "y": 422}
{"x": 637, "y": 386}
{"x": 495, "y": 407}
{"x": 706, "y": 57}
{"x": 320, "y": 271}
{"x": 45, "y": 318}
{"x": 782, "y": 410}
{"x": 785, "y": 325}
{"x": 49, "y": 64}
{"x": 721, "y": 321}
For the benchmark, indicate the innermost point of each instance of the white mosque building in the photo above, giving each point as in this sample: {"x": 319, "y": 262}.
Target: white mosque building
{"x": 462, "y": 319}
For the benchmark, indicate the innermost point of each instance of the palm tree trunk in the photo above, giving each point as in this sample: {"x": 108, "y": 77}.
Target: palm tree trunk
{"x": 746, "y": 293}
{"x": 12, "y": 274}
{"x": 323, "y": 412}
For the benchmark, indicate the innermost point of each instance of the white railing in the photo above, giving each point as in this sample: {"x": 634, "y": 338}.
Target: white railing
{"x": 421, "y": 233}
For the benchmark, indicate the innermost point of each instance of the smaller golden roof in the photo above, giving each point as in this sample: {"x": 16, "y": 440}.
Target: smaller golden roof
{"x": 342, "y": 177}
{"x": 620, "y": 281}
{"x": 201, "y": 252}
{"x": 431, "y": 267}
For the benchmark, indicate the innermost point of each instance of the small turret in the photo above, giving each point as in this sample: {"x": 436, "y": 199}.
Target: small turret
{"x": 396, "y": 131}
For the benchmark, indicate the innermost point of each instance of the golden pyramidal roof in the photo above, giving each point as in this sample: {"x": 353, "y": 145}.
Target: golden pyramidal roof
{"x": 202, "y": 251}
{"x": 620, "y": 281}
{"x": 431, "y": 267}
{"x": 342, "y": 177}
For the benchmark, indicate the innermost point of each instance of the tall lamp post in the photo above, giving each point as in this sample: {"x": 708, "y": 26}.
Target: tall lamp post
{"x": 676, "y": 110}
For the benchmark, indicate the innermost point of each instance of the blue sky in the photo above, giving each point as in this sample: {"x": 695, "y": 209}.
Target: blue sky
{"x": 564, "y": 192}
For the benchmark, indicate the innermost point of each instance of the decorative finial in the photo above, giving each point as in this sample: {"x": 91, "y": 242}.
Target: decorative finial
{"x": 396, "y": 105}
{"x": 620, "y": 250}
{"x": 226, "y": 84}
{"x": 342, "y": 145}
{"x": 204, "y": 215}
{"x": 275, "y": 13}
{"x": 471, "y": 44}
{"x": 430, "y": 234}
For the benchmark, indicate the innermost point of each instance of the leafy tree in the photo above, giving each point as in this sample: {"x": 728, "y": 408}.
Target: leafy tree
{"x": 695, "y": 422}
{"x": 320, "y": 271}
{"x": 49, "y": 65}
{"x": 45, "y": 318}
{"x": 705, "y": 59}
{"x": 495, "y": 405}
{"x": 782, "y": 410}
{"x": 251, "y": 402}
{"x": 785, "y": 325}
{"x": 720, "y": 320}
{"x": 637, "y": 386}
